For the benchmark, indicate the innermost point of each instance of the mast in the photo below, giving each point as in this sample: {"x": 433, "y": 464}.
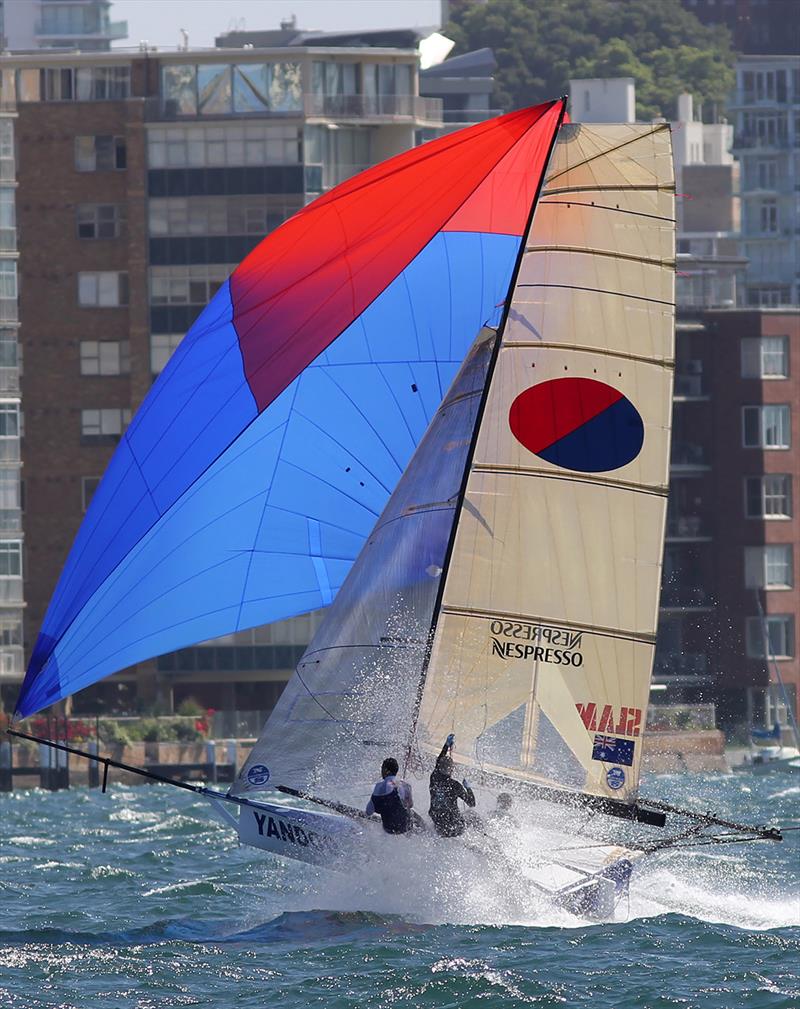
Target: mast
{"x": 474, "y": 440}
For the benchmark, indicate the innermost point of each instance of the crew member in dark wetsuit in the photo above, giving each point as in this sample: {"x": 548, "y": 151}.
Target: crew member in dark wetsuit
{"x": 445, "y": 793}
{"x": 391, "y": 799}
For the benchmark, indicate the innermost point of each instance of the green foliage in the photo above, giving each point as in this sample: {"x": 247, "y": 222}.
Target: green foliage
{"x": 540, "y": 44}
{"x": 190, "y": 707}
{"x": 112, "y": 734}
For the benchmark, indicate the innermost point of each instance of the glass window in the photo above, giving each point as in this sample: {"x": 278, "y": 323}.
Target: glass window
{"x": 214, "y": 89}
{"x": 103, "y": 290}
{"x": 10, "y": 558}
{"x": 766, "y": 426}
{"x": 100, "y": 153}
{"x": 107, "y": 357}
{"x": 109, "y": 423}
{"x": 9, "y": 488}
{"x": 769, "y": 216}
{"x": 9, "y": 420}
{"x": 99, "y": 220}
{"x": 8, "y": 280}
{"x": 780, "y": 635}
{"x": 89, "y": 485}
{"x": 179, "y": 90}
{"x": 765, "y": 357}
{"x": 768, "y": 496}
{"x": 162, "y": 346}
{"x": 768, "y": 566}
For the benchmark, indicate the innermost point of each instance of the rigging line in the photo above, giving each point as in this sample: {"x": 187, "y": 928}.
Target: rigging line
{"x": 609, "y": 150}
{"x": 495, "y": 353}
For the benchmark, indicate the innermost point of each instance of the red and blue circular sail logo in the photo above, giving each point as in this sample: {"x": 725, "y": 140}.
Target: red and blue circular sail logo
{"x": 577, "y": 423}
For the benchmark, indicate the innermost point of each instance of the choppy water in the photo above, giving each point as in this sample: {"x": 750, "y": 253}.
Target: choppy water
{"x": 137, "y": 899}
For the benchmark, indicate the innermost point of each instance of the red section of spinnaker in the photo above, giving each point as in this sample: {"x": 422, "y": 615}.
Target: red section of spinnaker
{"x": 310, "y": 279}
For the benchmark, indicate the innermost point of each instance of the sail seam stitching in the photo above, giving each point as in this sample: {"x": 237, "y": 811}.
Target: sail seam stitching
{"x": 668, "y": 363}
{"x": 601, "y": 290}
{"x": 638, "y": 488}
{"x": 644, "y": 637}
{"x": 606, "y": 253}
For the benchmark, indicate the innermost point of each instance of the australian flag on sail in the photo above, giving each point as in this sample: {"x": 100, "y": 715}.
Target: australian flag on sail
{"x": 611, "y": 749}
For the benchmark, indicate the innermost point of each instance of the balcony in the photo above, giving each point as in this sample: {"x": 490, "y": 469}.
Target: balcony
{"x": 74, "y": 32}
{"x": 750, "y": 141}
{"x": 687, "y": 527}
{"x": 688, "y": 456}
{"x": 690, "y": 385}
{"x": 685, "y": 597}
{"x": 397, "y": 108}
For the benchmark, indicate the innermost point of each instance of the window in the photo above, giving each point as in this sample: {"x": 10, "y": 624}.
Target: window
{"x": 84, "y": 84}
{"x": 9, "y": 420}
{"x": 8, "y": 221}
{"x": 768, "y": 567}
{"x": 249, "y": 215}
{"x": 769, "y": 297}
{"x": 767, "y": 174}
{"x": 780, "y": 636}
{"x": 103, "y": 290}
{"x": 769, "y": 216}
{"x": 89, "y": 485}
{"x": 229, "y": 144}
{"x": 765, "y": 357}
{"x": 162, "y": 346}
{"x": 99, "y": 220}
{"x": 10, "y": 558}
{"x": 765, "y": 426}
{"x": 105, "y": 425}
{"x": 10, "y": 517}
{"x": 8, "y": 280}
{"x": 106, "y": 357}
{"x": 768, "y": 496}
{"x": 187, "y": 285}
{"x": 100, "y": 153}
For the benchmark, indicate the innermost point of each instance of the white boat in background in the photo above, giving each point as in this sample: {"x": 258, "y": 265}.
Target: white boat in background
{"x": 508, "y": 591}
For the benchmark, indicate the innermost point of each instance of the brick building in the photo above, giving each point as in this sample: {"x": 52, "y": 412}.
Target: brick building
{"x": 733, "y": 532}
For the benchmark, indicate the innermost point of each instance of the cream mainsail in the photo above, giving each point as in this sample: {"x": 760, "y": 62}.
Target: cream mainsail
{"x": 543, "y": 647}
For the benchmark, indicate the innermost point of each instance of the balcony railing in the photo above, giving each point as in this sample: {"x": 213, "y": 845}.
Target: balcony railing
{"x": 396, "y": 107}
{"x": 672, "y": 717}
{"x": 685, "y": 597}
{"x": 687, "y": 527}
{"x": 747, "y": 141}
{"x": 689, "y": 384}
{"x": 687, "y": 454}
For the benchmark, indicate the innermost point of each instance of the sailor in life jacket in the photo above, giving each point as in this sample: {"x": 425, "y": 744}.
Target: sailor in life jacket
{"x": 391, "y": 799}
{"x": 445, "y": 793}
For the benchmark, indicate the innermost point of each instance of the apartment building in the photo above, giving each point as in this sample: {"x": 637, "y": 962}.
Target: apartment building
{"x": 59, "y": 24}
{"x": 766, "y": 107}
{"x": 733, "y": 532}
{"x": 142, "y": 180}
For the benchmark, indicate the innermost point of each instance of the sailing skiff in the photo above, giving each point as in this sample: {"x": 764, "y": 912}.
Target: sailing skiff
{"x": 436, "y": 401}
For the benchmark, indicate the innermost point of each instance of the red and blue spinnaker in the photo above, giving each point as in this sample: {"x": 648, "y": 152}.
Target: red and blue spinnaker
{"x": 257, "y": 465}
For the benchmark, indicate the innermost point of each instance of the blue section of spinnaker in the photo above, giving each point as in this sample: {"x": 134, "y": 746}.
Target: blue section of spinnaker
{"x": 212, "y": 518}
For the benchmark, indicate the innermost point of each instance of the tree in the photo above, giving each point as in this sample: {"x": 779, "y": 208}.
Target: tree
{"x": 540, "y": 44}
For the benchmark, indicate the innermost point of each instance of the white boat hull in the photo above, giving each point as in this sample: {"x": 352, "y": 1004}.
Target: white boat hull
{"x": 319, "y": 838}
